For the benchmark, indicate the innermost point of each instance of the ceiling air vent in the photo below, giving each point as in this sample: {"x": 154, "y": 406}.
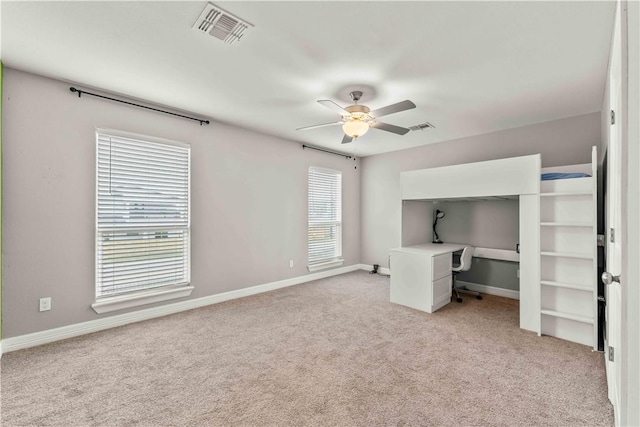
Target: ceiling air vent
{"x": 221, "y": 24}
{"x": 422, "y": 126}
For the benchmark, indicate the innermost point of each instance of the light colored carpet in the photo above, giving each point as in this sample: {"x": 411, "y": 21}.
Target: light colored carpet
{"x": 330, "y": 352}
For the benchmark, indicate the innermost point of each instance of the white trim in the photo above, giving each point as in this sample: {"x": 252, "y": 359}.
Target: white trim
{"x": 138, "y": 137}
{"x": 325, "y": 265}
{"x": 490, "y": 290}
{"x": 106, "y": 305}
{"x": 70, "y": 331}
{"x": 326, "y": 170}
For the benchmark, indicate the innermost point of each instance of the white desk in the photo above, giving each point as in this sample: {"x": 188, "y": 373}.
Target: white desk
{"x": 421, "y": 275}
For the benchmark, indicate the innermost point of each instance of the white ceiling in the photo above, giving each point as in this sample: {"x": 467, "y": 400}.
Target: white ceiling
{"x": 470, "y": 67}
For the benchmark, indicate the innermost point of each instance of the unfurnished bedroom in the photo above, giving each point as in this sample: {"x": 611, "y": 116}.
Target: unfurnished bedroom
{"x": 348, "y": 213}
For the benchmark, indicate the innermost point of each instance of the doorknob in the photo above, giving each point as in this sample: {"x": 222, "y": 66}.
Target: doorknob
{"x": 608, "y": 278}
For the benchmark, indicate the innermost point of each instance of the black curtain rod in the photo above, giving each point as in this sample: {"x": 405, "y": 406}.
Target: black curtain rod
{"x": 327, "y": 151}
{"x": 80, "y": 92}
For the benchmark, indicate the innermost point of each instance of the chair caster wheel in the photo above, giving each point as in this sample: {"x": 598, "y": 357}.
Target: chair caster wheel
{"x": 459, "y": 299}
{"x": 479, "y": 297}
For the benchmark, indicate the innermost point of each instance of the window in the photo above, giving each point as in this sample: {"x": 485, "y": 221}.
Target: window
{"x": 142, "y": 221}
{"x": 325, "y": 218}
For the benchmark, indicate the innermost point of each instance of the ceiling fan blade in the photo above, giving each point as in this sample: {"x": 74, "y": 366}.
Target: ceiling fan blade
{"x": 393, "y": 108}
{"x": 321, "y": 125}
{"x": 390, "y": 128}
{"x": 333, "y": 106}
{"x": 347, "y": 139}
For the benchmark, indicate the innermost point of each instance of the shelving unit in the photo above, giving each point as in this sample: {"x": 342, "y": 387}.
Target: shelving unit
{"x": 568, "y": 263}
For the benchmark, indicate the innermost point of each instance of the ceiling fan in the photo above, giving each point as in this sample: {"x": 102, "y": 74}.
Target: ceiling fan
{"x": 357, "y": 119}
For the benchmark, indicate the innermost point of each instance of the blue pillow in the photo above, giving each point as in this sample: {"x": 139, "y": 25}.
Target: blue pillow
{"x": 559, "y": 175}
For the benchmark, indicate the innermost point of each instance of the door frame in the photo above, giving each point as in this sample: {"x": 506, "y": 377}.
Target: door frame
{"x": 614, "y": 227}
{"x": 630, "y": 354}
{"x": 628, "y": 412}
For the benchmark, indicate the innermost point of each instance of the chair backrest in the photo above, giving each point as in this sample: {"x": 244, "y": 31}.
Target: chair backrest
{"x": 465, "y": 259}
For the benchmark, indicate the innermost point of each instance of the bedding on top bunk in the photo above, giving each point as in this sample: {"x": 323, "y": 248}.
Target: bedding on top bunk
{"x": 560, "y": 175}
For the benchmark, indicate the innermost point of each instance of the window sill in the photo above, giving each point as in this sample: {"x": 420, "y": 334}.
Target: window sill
{"x": 325, "y": 265}
{"x": 106, "y": 305}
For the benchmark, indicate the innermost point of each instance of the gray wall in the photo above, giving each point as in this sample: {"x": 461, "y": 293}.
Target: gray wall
{"x": 560, "y": 142}
{"x": 249, "y": 201}
{"x": 488, "y": 224}
{"x": 417, "y": 222}
{"x": 494, "y": 273}
{"x": 248, "y": 189}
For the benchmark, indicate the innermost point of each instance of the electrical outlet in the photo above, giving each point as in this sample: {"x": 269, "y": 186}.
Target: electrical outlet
{"x": 518, "y": 273}
{"x": 45, "y": 304}
{"x": 290, "y": 263}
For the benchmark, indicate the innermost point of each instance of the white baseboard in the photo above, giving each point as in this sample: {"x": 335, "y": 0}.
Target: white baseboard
{"x": 44, "y": 337}
{"x": 490, "y": 290}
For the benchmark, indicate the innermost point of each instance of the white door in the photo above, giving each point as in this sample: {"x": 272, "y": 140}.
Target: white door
{"x": 613, "y": 225}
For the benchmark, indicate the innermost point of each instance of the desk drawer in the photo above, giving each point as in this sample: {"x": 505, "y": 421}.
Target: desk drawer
{"x": 441, "y": 266}
{"x": 441, "y": 293}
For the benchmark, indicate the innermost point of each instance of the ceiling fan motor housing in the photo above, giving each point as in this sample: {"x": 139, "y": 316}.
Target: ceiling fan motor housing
{"x": 357, "y": 112}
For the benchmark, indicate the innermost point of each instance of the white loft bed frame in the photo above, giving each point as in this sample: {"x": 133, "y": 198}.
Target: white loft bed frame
{"x": 547, "y": 306}
{"x": 511, "y": 177}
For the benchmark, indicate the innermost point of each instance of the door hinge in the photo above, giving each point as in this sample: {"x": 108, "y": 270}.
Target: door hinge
{"x": 613, "y": 117}
{"x": 600, "y": 239}
{"x": 611, "y": 354}
{"x": 612, "y": 235}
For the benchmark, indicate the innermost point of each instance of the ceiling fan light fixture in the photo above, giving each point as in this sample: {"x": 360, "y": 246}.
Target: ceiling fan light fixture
{"x": 358, "y": 118}
{"x": 355, "y": 128}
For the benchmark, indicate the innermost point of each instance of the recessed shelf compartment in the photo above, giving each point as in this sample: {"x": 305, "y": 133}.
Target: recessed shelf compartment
{"x": 568, "y": 301}
{"x": 576, "y": 209}
{"x": 573, "y": 330}
{"x": 567, "y": 240}
{"x": 574, "y": 185}
{"x": 567, "y": 270}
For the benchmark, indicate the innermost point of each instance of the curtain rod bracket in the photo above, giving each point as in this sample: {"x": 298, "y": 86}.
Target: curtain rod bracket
{"x": 80, "y": 92}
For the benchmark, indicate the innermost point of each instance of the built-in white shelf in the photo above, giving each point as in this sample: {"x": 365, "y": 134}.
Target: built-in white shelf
{"x": 569, "y": 316}
{"x": 566, "y": 193}
{"x": 567, "y": 255}
{"x": 568, "y": 262}
{"x": 567, "y": 224}
{"x": 566, "y": 285}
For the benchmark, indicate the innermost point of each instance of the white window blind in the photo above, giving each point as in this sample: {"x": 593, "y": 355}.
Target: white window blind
{"x": 143, "y": 218}
{"x": 325, "y": 216}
